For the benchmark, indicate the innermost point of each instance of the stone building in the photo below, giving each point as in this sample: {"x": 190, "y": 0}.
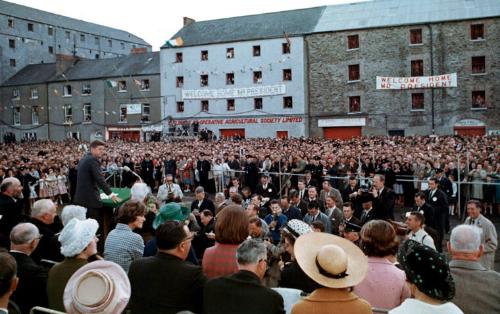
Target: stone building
{"x": 352, "y": 44}
{"x": 31, "y": 36}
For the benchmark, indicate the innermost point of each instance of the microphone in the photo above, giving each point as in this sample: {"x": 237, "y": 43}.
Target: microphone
{"x": 127, "y": 169}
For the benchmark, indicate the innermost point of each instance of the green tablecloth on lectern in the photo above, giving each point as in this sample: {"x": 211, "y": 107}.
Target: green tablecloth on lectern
{"x": 123, "y": 194}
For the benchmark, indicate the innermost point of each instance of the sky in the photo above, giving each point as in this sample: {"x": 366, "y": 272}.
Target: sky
{"x": 157, "y": 21}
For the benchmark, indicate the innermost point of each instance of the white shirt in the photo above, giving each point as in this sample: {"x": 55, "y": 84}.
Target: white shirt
{"x": 164, "y": 189}
{"x": 413, "y": 306}
{"x": 422, "y": 237}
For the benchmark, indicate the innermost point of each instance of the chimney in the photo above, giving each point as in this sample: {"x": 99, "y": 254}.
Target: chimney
{"x": 188, "y": 21}
{"x": 64, "y": 62}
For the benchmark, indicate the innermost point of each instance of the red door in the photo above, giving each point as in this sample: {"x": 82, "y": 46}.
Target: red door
{"x": 128, "y": 136}
{"x": 232, "y": 133}
{"x": 470, "y": 130}
{"x": 342, "y": 133}
{"x": 281, "y": 134}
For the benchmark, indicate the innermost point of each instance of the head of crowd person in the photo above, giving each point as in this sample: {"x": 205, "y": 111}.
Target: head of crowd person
{"x": 318, "y": 226}
{"x": 347, "y": 210}
{"x": 252, "y": 256}
{"x": 255, "y": 227}
{"x": 352, "y": 181}
{"x": 44, "y": 210}
{"x": 169, "y": 178}
{"x": 473, "y": 209}
{"x": 219, "y": 198}
{"x": 433, "y": 183}
{"x": 312, "y": 193}
{"x": 8, "y": 277}
{"x": 256, "y": 200}
{"x": 307, "y": 176}
{"x": 378, "y": 181}
{"x": 173, "y": 237}
{"x": 465, "y": 243}
{"x": 233, "y": 190}
{"x": 264, "y": 179}
{"x": 72, "y": 211}
{"x": 366, "y": 201}
{"x": 284, "y": 203}
{"x": 291, "y": 232}
{"x": 420, "y": 199}
{"x": 326, "y": 185}
{"x": 12, "y": 187}
{"x": 301, "y": 184}
{"x": 415, "y": 221}
{"x": 24, "y": 237}
{"x": 379, "y": 239}
{"x": 199, "y": 193}
{"x": 275, "y": 207}
{"x": 140, "y": 192}
{"x": 132, "y": 213}
{"x": 97, "y": 148}
{"x": 231, "y": 226}
{"x": 206, "y": 216}
{"x": 427, "y": 272}
{"x": 78, "y": 238}
{"x": 313, "y": 208}
{"x": 330, "y": 201}
{"x": 235, "y": 181}
{"x": 246, "y": 192}
{"x": 236, "y": 199}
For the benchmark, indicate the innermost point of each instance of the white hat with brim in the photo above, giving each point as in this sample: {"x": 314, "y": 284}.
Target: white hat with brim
{"x": 330, "y": 261}
{"x": 76, "y": 236}
{"x": 98, "y": 287}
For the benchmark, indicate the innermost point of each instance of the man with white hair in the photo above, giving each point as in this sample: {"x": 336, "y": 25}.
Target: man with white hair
{"x": 140, "y": 192}
{"x": 169, "y": 191}
{"x": 32, "y": 288}
{"x": 43, "y": 213}
{"x": 476, "y": 288}
{"x": 11, "y": 208}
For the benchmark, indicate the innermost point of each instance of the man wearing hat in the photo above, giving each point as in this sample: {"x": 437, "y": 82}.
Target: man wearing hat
{"x": 336, "y": 265}
{"x": 367, "y": 204}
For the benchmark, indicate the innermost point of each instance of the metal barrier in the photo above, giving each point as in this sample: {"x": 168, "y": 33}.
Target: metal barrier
{"x": 39, "y": 309}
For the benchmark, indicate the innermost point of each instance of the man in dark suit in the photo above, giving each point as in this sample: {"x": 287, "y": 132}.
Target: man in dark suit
{"x": 298, "y": 202}
{"x": 205, "y": 238}
{"x": 266, "y": 189}
{"x": 384, "y": 198}
{"x": 203, "y": 167}
{"x": 201, "y": 202}
{"x": 351, "y": 194}
{"x": 349, "y": 214}
{"x": 291, "y": 212}
{"x": 251, "y": 173}
{"x": 42, "y": 216}
{"x": 445, "y": 185}
{"x": 8, "y": 280}
{"x": 90, "y": 180}
{"x": 243, "y": 291}
{"x": 11, "y": 208}
{"x": 368, "y": 210}
{"x": 422, "y": 206}
{"x": 310, "y": 181}
{"x": 302, "y": 189}
{"x": 147, "y": 171}
{"x": 166, "y": 283}
{"x": 32, "y": 288}
{"x": 439, "y": 202}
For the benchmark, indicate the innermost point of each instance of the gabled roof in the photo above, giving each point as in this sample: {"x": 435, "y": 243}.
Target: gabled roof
{"x": 250, "y": 27}
{"x": 383, "y": 13}
{"x": 33, "y": 74}
{"x": 21, "y": 11}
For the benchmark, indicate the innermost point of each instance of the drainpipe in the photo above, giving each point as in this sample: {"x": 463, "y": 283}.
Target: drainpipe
{"x": 432, "y": 74}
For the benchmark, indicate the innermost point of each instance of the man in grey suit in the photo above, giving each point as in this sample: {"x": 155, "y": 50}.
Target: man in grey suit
{"x": 475, "y": 286}
{"x": 89, "y": 180}
{"x": 314, "y": 214}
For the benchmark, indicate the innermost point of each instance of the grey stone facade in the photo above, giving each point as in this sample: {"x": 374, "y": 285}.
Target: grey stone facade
{"x": 387, "y": 52}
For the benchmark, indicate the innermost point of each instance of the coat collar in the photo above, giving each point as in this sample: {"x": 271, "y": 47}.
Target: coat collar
{"x": 328, "y": 295}
{"x": 471, "y": 265}
{"x": 247, "y": 276}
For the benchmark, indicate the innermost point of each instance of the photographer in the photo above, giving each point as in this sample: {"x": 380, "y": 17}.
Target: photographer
{"x": 275, "y": 220}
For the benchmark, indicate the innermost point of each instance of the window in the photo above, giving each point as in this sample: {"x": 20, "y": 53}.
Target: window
{"x": 96, "y": 40}
{"x": 415, "y": 36}
{"x": 257, "y": 103}
{"x": 122, "y": 45}
{"x": 51, "y": 49}
{"x": 180, "y": 106}
{"x": 352, "y": 42}
{"x": 204, "y": 106}
{"x": 31, "y": 27}
{"x": 123, "y": 114}
{"x": 144, "y": 84}
{"x": 179, "y": 81}
{"x": 34, "y": 93}
{"x": 35, "y": 119}
{"x": 478, "y": 65}
{"x": 12, "y": 63}
{"x": 68, "y": 114}
{"x": 229, "y": 78}
{"x": 15, "y": 93}
{"x": 230, "y": 105}
{"x": 478, "y": 100}
{"x": 287, "y": 102}
{"x": 354, "y": 104}
{"x": 122, "y": 86}
{"x": 285, "y": 48}
{"x": 417, "y": 68}
{"x": 10, "y": 23}
{"x": 86, "y": 89}
{"x": 417, "y": 101}
{"x": 230, "y": 53}
{"x": 110, "y": 43}
{"x": 67, "y": 34}
{"x": 67, "y": 90}
{"x": 146, "y": 113}
{"x": 204, "y": 55}
{"x": 287, "y": 74}
{"x": 204, "y": 80}
{"x": 12, "y": 43}
{"x": 178, "y": 57}
{"x": 50, "y": 31}
{"x": 17, "y": 115}
{"x": 96, "y": 56}
{"x": 477, "y": 31}
{"x": 87, "y": 112}
{"x": 257, "y": 77}
{"x": 354, "y": 72}
{"x": 82, "y": 37}
{"x": 256, "y": 51}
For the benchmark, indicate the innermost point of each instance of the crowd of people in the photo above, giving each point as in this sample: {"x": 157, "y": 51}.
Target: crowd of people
{"x": 299, "y": 225}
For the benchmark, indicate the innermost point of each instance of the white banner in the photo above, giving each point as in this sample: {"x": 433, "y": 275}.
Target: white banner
{"x": 134, "y": 109}
{"x": 269, "y": 90}
{"x": 437, "y": 81}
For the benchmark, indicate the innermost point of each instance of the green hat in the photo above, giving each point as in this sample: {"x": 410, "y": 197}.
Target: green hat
{"x": 171, "y": 211}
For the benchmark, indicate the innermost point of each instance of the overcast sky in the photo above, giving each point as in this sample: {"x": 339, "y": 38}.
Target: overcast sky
{"x": 156, "y": 21}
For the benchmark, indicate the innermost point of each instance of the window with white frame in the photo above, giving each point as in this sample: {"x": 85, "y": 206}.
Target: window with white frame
{"x": 15, "y": 93}
{"x": 87, "y": 112}
{"x": 144, "y": 84}
{"x": 50, "y": 31}
{"x": 86, "y": 89}
{"x": 35, "y": 119}
{"x": 146, "y": 113}
{"x": 123, "y": 114}
{"x": 34, "y": 93}
{"x": 68, "y": 114}
{"x": 17, "y": 115}
{"x": 67, "y": 90}
{"x": 122, "y": 86}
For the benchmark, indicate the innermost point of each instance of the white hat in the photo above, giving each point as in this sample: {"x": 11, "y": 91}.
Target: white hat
{"x": 76, "y": 236}
{"x": 98, "y": 287}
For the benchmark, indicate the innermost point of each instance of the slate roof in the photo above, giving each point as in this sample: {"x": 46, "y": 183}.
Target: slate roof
{"x": 133, "y": 64}
{"x": 21, "y": 11}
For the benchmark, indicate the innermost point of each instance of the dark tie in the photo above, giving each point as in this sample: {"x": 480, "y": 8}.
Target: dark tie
{"x": 472, "y": 222}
